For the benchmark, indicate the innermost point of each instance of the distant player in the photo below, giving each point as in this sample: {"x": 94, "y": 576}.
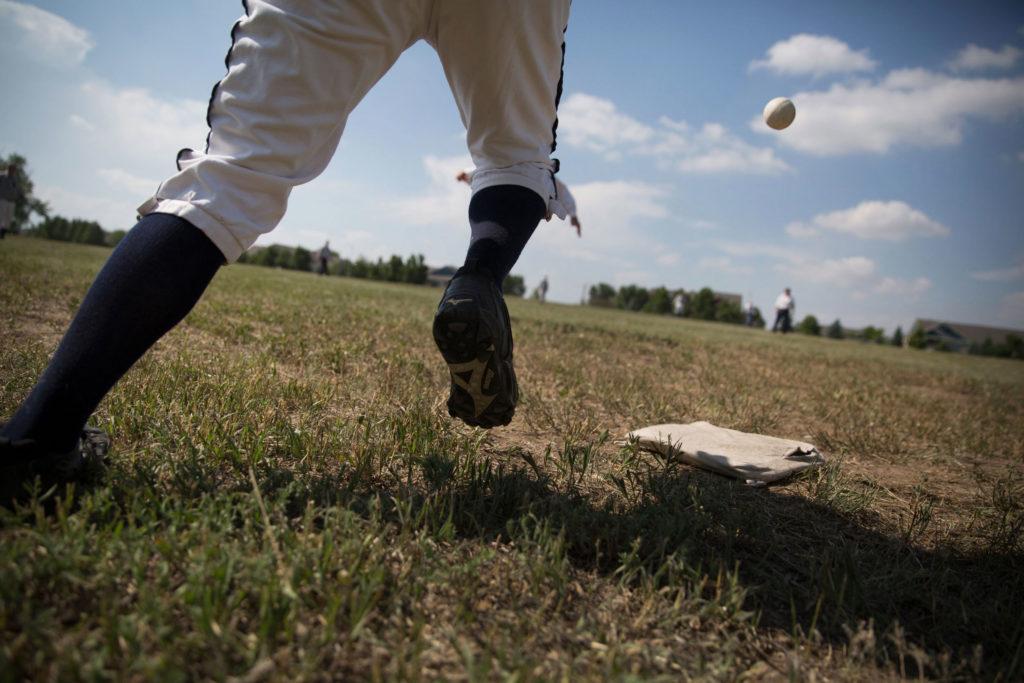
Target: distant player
{"x": 542, "y": 290}
{"x": 296, "y": 70}
{"x": 785, "y": 308}
{"x": 10, "y": 192}
{"x": 324, "y": 257}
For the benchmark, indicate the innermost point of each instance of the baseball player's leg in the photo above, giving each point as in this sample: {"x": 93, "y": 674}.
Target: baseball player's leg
{"x": 503, "y": 61}
{"x": 150, "y": 282}
{"x": 275, "y": 120}
{"x": 504, "y": 65}
{"x": 296, "y": 69}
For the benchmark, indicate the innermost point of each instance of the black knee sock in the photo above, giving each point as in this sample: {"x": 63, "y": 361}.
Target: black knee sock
{"x": 502, "y": 219}
{"x": 150, "y": 282}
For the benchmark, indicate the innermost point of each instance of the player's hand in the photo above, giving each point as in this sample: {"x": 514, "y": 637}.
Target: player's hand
{"x": 576, "y": 224}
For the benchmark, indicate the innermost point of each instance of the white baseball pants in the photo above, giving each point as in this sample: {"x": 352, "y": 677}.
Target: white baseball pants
{"x": 297, "y": 68}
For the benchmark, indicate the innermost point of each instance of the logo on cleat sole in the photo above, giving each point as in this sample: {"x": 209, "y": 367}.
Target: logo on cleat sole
{"x": 471, "y": 377}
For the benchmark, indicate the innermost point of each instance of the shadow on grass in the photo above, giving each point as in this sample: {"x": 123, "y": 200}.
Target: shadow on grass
{"x": 807, "y": 568}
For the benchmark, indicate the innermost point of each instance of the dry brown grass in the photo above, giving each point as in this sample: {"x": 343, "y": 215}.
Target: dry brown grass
{"x": 412, "y": 547}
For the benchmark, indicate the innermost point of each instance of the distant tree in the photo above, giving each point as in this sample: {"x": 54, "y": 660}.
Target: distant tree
{"x": 73, "y": 230}
{"x": 53, "y": 228}
{"x": 301, "y": 259}
{"x": 917, "y": 339}
{"x": 809, "y": 325}
{"x": 273, "y": 256}
{"x": 514, "y": 285}
{"x": 27, "y": 203}
{"x": 897, "y": 337}
{"x": 601, "y": 294}
{"x": 1015, "y": 346}
{"x": 114, "y": 238}
{"x": 659, "y": 301}
{"x": 88, "y": 232}
{"x": 378, "y": 269}
{"x": 361, "y": 267}
{"x": 874, "y": 334}
{"x": 416, "y": 270}
{"x": 702, "y": 305}
{"x": 835, "y": 330}
{"x": 631, "y": 297}
{"x": 394, "y": 269}
{"x": 758, "y": 320}
{"x": 729, "y": 312}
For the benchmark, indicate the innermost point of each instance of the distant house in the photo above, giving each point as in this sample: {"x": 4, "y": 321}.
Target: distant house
{"x": 960, "y": 336}
{"x": 727, "y": 296}
{"x": 439, "y": 277}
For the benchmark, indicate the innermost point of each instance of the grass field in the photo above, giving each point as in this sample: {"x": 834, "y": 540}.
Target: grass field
{"x": 287, "y": 499}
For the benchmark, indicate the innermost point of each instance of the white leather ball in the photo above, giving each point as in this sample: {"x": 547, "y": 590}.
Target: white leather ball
{"x": 779, "y": 113}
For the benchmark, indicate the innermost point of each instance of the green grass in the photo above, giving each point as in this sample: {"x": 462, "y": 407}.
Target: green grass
{"x": 286, "y": 499}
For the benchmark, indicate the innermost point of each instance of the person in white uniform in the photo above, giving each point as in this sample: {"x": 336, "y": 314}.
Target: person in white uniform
{"x": 785, "y": 308}
{"x": 295, "y": 71}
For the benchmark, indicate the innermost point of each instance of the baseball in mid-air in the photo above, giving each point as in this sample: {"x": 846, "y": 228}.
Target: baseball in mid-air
{"x": 779, "y": 113}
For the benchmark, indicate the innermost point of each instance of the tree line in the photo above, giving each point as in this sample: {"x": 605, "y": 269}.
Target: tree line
{"x": 1011, "y": 347}
{"x": 870, "y": 334}
{"x": 412, "y": 270}
{"x": 75, "y": 230}
{"x": 703, "y": 304}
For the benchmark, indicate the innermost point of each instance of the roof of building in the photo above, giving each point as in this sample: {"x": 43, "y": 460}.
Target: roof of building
{"x": 974, "y": 334}
{"x": 443, "y": 270}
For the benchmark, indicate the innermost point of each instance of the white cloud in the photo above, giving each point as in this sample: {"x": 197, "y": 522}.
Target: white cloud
{"x": 112, "y": 214}
{"x": 140, "y": 124}
{"x": 893, "y": 221}
{"x": 597, "y": 125}
{"x": 713, "y": 149}
{"x": 913, "y": 107}
{"x": 41, "y": 35}
{"x": 1011, "y": 309}
{"x": 615, "y": 216}
{"x": 609, "y": 208}
{"x": 1015, "y": 272}
{"x": 850, "y": 271}
{"x": 801, "y": 230}
{"x": 806, "y": 54}
{"x": 82, "y": 123}
{"x": 722, "y": 264}
{"x": 910, "y": 289}
{"x": 977, "y": 58}
{"x": 445, "y": 201}
{"x": 754, "y": 249}
{"x": 123, "y": 180}
{"x": 703, "y": 224}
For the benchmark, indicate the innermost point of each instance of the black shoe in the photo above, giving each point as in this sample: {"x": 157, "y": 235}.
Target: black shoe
{"x": 474, "y": 334}
{"x": 22, "y": 461}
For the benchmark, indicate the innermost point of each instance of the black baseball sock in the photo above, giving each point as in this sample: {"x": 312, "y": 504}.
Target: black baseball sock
{"x": 150, "y": 282}
{"x": 502, "y": 219}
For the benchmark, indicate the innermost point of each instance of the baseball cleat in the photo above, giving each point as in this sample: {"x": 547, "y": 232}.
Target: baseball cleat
{"x": 473, "y": 332}
{"x": 22, "y": 461}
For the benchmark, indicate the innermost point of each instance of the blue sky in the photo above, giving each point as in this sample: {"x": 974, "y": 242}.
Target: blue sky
{"x": 897, "y": 193}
